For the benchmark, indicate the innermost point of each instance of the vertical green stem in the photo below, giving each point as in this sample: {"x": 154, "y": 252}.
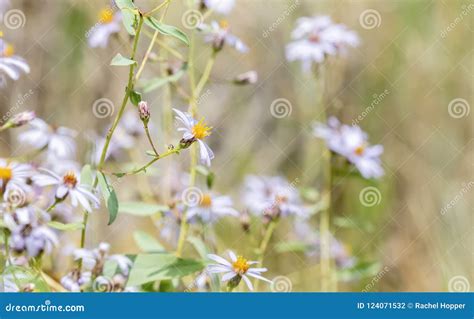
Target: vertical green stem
{"x": 264, "y": 245}
{"x": 326, "y": 269}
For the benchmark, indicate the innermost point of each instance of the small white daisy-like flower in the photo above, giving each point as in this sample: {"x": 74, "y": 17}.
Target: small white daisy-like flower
{"x": 58, "y": 141}
{"x": 220, "y": 6}
{"x": 68, "y": 186}
{"x": 272, "y": 197}
{"x": 11, "y": 64}
{"x": 218, "y": 34}
{"x": 195, "y": 131}
{"x": 352, "y": 143}
{"x": 108, "y": 24}
{"x": 315, "y": 38}
{"x": 14, "y": 176}
{"x": 236, "y": 269}
{"x": 211, "y": 208}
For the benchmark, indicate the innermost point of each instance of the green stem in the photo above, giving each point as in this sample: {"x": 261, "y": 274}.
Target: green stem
{"x": 264, "y": 244}
{"x": 144, "y": 168}
{"x": 53, "y": 205}
{"x": 147, "y": 132}
{"x": 151, "y": 12}
{"x": 205, "y": 74}
{"x": 326, "y": 276}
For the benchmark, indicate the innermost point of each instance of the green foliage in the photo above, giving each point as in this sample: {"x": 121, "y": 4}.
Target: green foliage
{"x": 129, "y": 14}
{"x": 69, "y": 226}
{"x": 120, "y": 60}
{"x": 147, "y": 243}
{"x": 167, "y": 29}
{"x": 158, "y": 82}
{"x": 110, "y": 197}
{"x": 135, "y": 97}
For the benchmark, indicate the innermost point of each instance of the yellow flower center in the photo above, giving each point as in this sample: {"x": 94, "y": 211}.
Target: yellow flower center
{"x": 280, "y": 199}
{"x": 206, "y": 200}
{"x": 241, "y": 265}
{"x": 201, "y": 130}
{"x": 70, "y": 179}
{"x": 6, "y": 173}
{"x": 106, "y": 15}
{"x": 224, "y": 24}
{"x": 8, "y": 50}
{"x": 359, "y": 150}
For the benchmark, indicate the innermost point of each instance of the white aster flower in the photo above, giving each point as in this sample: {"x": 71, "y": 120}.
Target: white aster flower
{"x": 14, "y": 176}
{"x": 76, "y": 280}
{"x": 59, "y": 141}
{"x": 11, "y": 64}
{"x": 315, "y": 38}
{"x": 108, "y": 24}
{"x": 68, "y": 186}
{"x": 195, "y": 131}
{"x": 218, "y": 34}
{"x": 352, "y": 143}
{"x": 33, "y": 239}
{"x": 211, "y": 208}
{"x": 235, "y": 270}
{"x": 272, "y": 197}
{"x": 220, "y": 6}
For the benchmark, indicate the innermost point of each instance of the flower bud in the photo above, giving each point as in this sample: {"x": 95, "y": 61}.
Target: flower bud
{"x": 144, "y": 111}
{"x": 20, "y": 119}
{"x": 250, "y": 77}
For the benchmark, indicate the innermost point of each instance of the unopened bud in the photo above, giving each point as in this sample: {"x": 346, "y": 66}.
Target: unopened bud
{"x": 250, "y": 77}
{"x": 144, "y": 111}
{"x": 20, "y": 119}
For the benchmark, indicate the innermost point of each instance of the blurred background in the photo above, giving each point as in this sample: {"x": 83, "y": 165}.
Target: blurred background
{"x": 409, "y": 85}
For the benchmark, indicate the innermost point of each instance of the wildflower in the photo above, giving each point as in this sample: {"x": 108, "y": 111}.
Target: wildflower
{"x": 211, "y": 207}
{"x": 220, "y": 6}
{"x": 76, "y": 280}
{"x": 317, "y": 37}
{"x": 195, "y": 131}
{"x": 235, "y": 270}
{"x": 14, "y": 176}
{"x": 218, "y": 34}
{"x": 272, "y": 197}
{"x": 10, "y": 63}
{"x": 108, "y": 24}
{"x": 144, "y": 112}
{"x": 352, "y": 143}
{"x": 58, "y": 141}
{"x": 19, "y": 119}
{"x": 68, "y": 185}
{"x": 250, "y": 77}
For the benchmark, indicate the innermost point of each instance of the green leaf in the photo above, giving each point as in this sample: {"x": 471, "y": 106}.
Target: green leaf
{"x": 199, "y": 245}
{"x": 167, "y": 29}
{"x": 110, "y": 197}
{"x": 135, "y": 97}
{"x": 210, "y": 179}
{"x": 141, "y": 209}
{"x": 291, "y": 246}
{"x": 161, "y": 266}
{"x": 158, "y": 82}
{"x": 86, "y": 175}
{"x": 120, "y": 60}
{"x": 129, "y": 14}
{"x": 146, "y": 242}
{"x": 69, "y": 226}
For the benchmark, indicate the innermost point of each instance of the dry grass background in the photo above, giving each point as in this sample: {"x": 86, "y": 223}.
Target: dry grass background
{"x": 428, "y": 153}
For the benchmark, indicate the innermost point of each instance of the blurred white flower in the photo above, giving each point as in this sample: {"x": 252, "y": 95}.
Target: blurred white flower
{"x": 249, "y": 77}
{"x": 108, "y": 24}
{"x": 75, "y": 280}
{"x": 314, "y": 38}
{"x": 194, "y": 130}
{"x": 14, "y": 176}
{"x": 220, "y": 6}
{"x": 211, "y": 208}
{"x": 11, "y": 64}
{"x": 218, "y": 34}
{"x": 272, "y": 197}
{"x": 33, "y": 239}
{"x": 58, "y": 141}
{"x": 68, "y": 185}
{"x": 235, "y": 270}
{"x": 352, "y": 143}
